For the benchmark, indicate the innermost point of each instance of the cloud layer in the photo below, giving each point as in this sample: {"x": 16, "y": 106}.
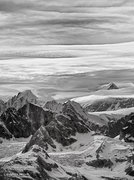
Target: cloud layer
{"x": 66, "y": 22}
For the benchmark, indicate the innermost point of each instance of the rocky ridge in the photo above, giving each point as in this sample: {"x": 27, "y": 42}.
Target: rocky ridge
{"x": 110, "y": 104}
{"x": 21, "y": 99}
{"x": 36, "y": 165}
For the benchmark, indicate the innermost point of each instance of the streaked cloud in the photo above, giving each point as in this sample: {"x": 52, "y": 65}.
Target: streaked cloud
{"x": 66, "y": 22}
{"x": 41, "y": 40}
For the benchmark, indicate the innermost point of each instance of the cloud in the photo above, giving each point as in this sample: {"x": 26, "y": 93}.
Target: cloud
{"x": 13, "y": 6}
{"x": 66, "y": 22}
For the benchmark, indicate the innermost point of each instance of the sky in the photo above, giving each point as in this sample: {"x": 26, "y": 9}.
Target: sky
{"x": 42, "y": 39}
{"x": 34, "y": 22}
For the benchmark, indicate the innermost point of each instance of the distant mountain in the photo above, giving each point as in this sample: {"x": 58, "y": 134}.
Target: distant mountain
{"x": 109, "y": 86}
{"x": 110, "y": 104}
{"x": 21, "y": 99}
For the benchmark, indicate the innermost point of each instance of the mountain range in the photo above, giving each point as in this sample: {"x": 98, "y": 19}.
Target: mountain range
{"x": 68, "y": 140}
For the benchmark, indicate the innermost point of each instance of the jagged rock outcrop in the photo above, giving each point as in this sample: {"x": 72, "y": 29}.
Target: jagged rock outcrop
{"x": 60, "y": 132}
{"x": 40, "y": 138}
{"x": 53, "y": 106}
{"x": 17, "y": 125}
{"x": 21, "y": 99}
{"x": 62, "y": 128}
{"x": 111, "y": 128}
{"x": 72, "y": 120}
{"x": 36, "y": 165}
{"x": 127, "y": 131}
{"x": 67, "y": 108}
{"x": 36, "y": 115}
{"x": 72, "y": 108}
{"x": 110, "y": 104}
{"x": 66, "y": 124}
{"x": 26, "y": 121}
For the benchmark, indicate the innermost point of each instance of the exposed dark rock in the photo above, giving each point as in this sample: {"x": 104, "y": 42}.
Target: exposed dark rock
{"x": 16, "y": 124}
{"x": 61, "y": 133}
{"x": 130, "y": 170}
{"x": 72, "y": 120}
{"x": 127, "y": 131}
{"x": 41, "y": 138}
{"x": 58, "y": 126}
{"x": 36, "y": 115}
{"x": 72, "y": 108}
{"x": 54, "y": 106}
{"x": 100, "y": 163}
{"x": 111, "y": 129}
{"x": 114, "y": 127}
{"x": 114, "y": 178}
{"x": 4, "y": 132}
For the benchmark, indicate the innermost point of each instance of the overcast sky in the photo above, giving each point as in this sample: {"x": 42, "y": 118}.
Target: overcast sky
{"x": 25, "y": 22}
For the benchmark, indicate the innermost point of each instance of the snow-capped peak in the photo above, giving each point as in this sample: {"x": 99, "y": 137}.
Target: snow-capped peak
{"x": 21, "y": 99}
{"x": 109, "y": 86}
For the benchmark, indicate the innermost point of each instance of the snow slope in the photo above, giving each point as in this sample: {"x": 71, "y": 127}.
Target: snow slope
{"x": 125, "y": 91}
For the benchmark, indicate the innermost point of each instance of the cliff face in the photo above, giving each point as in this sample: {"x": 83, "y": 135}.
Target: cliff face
{"x": 61, "y": 127}
{"x": 16, "y": 124}
{"x": 36, "y": 115}
{"x": 127, "y": 131}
